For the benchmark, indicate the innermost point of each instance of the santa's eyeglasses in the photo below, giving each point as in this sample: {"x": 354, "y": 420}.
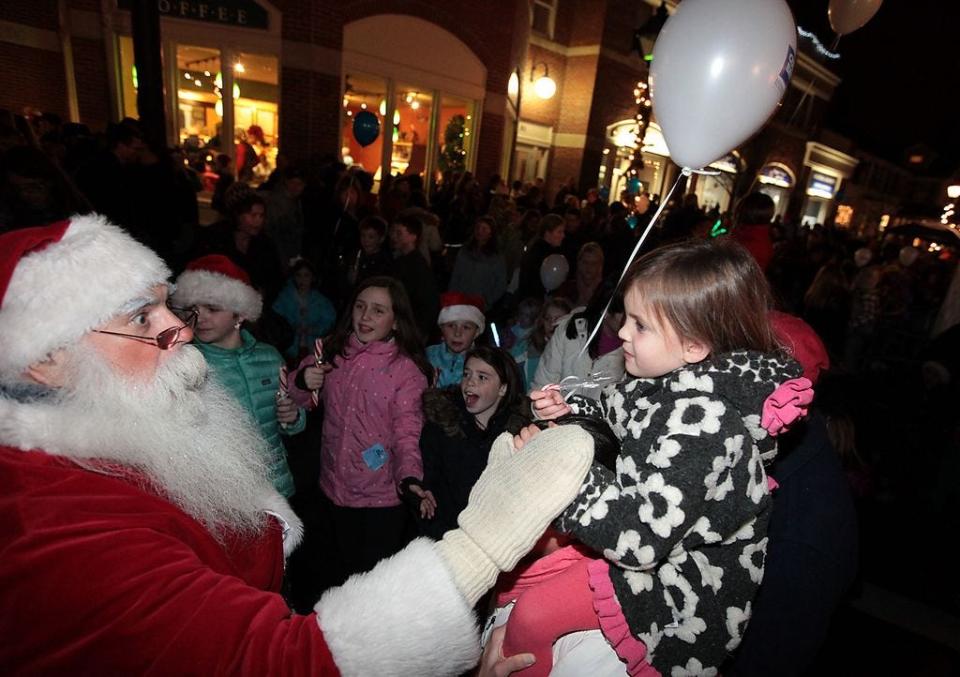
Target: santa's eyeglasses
{"x": 168, "y": 337}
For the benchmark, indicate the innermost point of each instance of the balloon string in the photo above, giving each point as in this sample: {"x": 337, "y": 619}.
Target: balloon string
{"x": 685, "y": 172}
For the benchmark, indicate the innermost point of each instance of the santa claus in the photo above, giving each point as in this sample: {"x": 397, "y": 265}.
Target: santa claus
{"x": 138, "y": 530}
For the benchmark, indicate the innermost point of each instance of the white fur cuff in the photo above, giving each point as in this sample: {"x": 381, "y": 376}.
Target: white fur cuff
{"x": 405, "y": 617}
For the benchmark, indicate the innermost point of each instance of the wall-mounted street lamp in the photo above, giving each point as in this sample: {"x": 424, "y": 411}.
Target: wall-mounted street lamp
{"x": 953, "y": 192}
{"x": 544, "y": 86}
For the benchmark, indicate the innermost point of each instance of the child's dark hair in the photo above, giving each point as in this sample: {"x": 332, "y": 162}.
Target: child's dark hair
{"x": 755, "y": 208}
{"x": 507, "y": 370}
{"x": 491, "y": 248}
{"x": 302, "y": 264}
{"x": 241, "y": 201}
{"x": 592, "y": 313}
{"x": 412, "y": 224}
{"x": 707, "y": 290}
{"x": 406, "y": 335}
{"x": 374, "y": 223}
{"x": 606, "y": 446}
{"x": 538, "y": 336}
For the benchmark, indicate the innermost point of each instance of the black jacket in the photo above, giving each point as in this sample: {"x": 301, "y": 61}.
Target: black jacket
{"x": 455, "y": 452}
{"x": 811, "y": 557}
{"x": 416, "y": 277}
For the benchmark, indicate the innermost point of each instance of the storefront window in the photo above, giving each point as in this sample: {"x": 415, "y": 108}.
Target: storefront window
{"x": 256, "y": 108}
{"x": 715, "y": 191}
{"x": 619, "y": 155}
{"x": 363, "y": 93}
{"x": 820, "y": 192}
{"x": 128, "y": 77}
{"x": 199, "y": 96}
{"x": 421, "y": 137}
{"x": 411, "y": 130}
{"x": 777, "y": 181}
{"x": 455, "y": 136}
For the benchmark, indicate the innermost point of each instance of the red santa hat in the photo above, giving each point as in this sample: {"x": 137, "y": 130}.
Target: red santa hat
{"x": 456, "y": 306}
{"x": 60, "y": 281}
{"x": 215, "y": 280}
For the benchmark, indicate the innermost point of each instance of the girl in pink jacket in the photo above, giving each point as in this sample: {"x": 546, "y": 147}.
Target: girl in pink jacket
{"x": 370, "y": 382}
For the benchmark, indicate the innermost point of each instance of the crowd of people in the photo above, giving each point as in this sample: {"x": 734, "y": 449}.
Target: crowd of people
{"x": 380, "y": 365}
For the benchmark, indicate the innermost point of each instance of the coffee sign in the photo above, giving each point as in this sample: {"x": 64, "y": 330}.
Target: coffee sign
{"x": 243, "y": 13}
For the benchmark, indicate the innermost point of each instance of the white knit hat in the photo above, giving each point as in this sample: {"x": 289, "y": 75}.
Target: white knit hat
{"x": 216, "y": 280}
{"x": 58, "y": 282}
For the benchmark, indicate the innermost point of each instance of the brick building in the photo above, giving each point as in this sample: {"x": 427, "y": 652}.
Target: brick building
{"x": 450, "y": 85}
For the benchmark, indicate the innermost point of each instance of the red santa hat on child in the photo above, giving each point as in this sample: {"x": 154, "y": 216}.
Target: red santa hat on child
{"x": 215, "y": 280}
{"x": 456, "y": 306}
{"x": 59, "y": 282}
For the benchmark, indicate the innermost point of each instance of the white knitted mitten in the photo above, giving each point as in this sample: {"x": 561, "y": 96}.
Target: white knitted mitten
{"x": 513, "y": 502}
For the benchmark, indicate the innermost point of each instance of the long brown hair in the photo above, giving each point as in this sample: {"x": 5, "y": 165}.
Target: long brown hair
{"x": 538, "y": 336}
{"x": 707, "y": 290}
{"x": 406, "y": 335}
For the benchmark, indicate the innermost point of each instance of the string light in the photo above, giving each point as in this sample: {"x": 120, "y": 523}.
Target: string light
{"x": 823, "y": 51}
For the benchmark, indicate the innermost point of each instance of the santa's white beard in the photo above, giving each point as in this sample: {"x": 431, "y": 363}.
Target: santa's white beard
{"x": 182, "y": 430}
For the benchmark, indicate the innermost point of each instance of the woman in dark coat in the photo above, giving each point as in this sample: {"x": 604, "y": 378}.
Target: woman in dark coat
{"x": 461, "y": 424}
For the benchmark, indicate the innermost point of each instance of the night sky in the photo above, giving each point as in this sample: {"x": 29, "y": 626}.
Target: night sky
{"x": 899, "y": 72}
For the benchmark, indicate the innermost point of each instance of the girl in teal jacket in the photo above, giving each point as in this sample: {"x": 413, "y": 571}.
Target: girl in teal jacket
{"x": 309, "y": 313}
{"x": 220, "y": 292}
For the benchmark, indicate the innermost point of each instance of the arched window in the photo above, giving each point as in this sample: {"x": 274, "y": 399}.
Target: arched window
{"x": 428, "y": 109}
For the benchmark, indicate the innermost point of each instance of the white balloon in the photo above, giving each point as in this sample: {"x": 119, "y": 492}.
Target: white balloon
{"x": 554, "y": 271}
{"x": 846, "y": 16}
{"x": 720, "y": 68}
{"x": 908, "y": 255}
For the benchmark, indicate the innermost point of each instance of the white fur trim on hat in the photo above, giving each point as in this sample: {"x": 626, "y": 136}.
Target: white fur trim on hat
{"x": 461, "y": 312}
{"x": 209, "y": 288}
{"x": 61, "y": 292}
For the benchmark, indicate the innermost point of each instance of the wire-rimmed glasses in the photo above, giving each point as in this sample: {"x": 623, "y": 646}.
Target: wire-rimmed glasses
{"x": 168, "y": 337}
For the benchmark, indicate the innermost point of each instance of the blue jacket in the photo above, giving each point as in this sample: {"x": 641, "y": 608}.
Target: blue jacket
{"x": 313, "y": 320}
{"x": 449, "y": 365}
{"x": 251, "y": 374}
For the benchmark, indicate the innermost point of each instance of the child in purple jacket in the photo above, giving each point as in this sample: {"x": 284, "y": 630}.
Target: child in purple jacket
{"x": 370, "y": 384}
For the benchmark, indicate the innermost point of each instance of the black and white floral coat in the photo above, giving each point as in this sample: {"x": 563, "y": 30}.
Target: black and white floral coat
{"x": 683, "y": 520}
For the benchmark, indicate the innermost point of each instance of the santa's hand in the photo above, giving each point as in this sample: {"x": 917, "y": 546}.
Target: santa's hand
{"x": 287, "y": 411}
{"x": 512, "y": 503}
{"x": 548, "y": 404}
{"x": 494, "y": 664}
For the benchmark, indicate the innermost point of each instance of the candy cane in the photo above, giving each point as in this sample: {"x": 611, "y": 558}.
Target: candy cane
{"x": 318, "y": 360}
{"x": 282, "y": 392}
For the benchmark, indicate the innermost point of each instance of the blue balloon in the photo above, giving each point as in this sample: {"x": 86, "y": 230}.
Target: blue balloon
{"x": 632, "y": 221}
{"x": 366, "y": 127}
{"x": 633, "y": 185}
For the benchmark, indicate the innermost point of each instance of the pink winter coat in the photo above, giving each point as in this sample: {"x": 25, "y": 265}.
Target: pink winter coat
{"x": 371, "y": 397}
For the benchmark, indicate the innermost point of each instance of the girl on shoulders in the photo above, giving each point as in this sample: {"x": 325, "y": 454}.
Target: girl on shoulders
{"x": 681, "y": 523}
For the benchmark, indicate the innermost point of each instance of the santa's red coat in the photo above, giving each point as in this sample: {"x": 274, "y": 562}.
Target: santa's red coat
{"x": 100, "y": 576}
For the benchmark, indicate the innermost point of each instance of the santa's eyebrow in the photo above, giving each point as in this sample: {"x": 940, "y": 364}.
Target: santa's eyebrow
{"x": 141, "y": 303}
